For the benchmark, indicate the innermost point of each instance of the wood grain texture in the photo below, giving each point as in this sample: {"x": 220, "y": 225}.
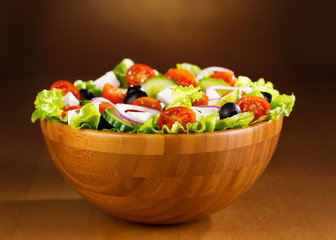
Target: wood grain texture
{"x": 161, "y": 179}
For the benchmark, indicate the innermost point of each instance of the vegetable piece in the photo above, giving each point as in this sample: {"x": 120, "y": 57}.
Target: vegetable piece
{"x": 100, "y": 100}
{"x": 243, "y": 81}
{"x": 86, "y": 94}
{"x": 133, "y": 88}
{"x": 134, "y": 95}
{"x": 121, "y": 69}
{"x": 48, "y": 105}
{"x": 112, "y": 117}
{"x": 182, "y": 115}
{"x": 181, "y": 77}
{"x": 135, "y": 114}
{"x": 147, "y": 102}
{"x": 267, "y": 96}
{"x": 156, "y": 84}
{"x": 89, "y": 118}
{"x": 190, "y": 67}
{"x": 228, "y": 110}
{"x": 183, "y": 96}
{"x": 66, "y": 87}
{"x": 204, "y": 100}
{"x": 103, "y": 106}
{"x": 237, "y": 121}
{"x": 227, "y": 88}
{"x": 138, "y": 73}
{"x": 256, "y": 105}
{"x": 113, "y": 94}
{"x": 228, "y": 77}
{"x": 208, "y": 82}
{"x": 208, "y": 70}
{"x": 90, "y": 86}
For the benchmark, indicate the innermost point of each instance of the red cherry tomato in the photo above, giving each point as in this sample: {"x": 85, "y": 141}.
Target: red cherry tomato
{"x": 138, "y": 73}
{"x": 148, "y": 102}
{"x": 182, "y": 115}
{"x": 230, "y": 91}
{"x": 181, "y": 77}
{"x": 204, "y": 100}
{"x": 228, "y": 77}
{"x": 256, "y": 105}
{"x": 103, "y": 106}
{"x": 68, "y": 108}
{"x": 66, "y": 87}
{"x": 113, "y": 94}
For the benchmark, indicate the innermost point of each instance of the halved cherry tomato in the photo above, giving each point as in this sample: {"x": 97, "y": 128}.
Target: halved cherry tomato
{"x": 113, "y": 94}
{"x": 147, "y": 102}
{"x": 256, "y": 105}
{"x": 228, "y": 77}
{"x": 69, "y": 108}
{"x": 103, "y": 106}
{"x": 230, "y": 91}
{"x": 66, "y": 87}
{"x": 204, "y": 100}
{"x": 181, "y": 77}
{"x": 138, "y": 73}
{"x": 182, "y": 115}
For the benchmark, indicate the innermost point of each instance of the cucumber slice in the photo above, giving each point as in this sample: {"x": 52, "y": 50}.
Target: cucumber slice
{"x": 112, "y": 117}
{"x": 208, "y": 82}
{"x": 156, "y": 84}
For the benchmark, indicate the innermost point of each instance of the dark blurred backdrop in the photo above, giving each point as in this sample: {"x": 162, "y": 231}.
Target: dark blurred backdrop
{"x": 291, "y": 43}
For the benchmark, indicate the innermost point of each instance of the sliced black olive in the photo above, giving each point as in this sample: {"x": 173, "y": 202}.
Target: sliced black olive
{"x": 134, "y": 88}
{"x": 86, "y": 94}
{"x": 267, "y": 96}
{"x": 134, "y": 95}
{"x": 228, "y": 110}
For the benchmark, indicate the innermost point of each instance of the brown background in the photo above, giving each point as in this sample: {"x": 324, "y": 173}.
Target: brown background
{"x": 291, "y": 43}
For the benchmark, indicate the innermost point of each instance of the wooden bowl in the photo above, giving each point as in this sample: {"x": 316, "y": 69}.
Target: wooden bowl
{"x": 161, "y": 179}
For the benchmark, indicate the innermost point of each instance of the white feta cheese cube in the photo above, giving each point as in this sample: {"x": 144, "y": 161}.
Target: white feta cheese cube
{"x": 165, "y": 96}
{"x": 108, "y": 77}
{"x": 69, "y": 100}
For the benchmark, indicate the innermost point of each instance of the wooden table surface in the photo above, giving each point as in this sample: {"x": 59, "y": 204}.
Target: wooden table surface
{"x": 294, "y": 198}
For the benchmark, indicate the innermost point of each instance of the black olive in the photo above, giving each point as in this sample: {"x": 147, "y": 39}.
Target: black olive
{"x": 267, "y": 96}
{"x": 228, "y": 110}
{"x": 134, "y": 95}
{"x": 133, "y": 88}
{"x": 86, "y": 94}
{"x": 103, "y": 124}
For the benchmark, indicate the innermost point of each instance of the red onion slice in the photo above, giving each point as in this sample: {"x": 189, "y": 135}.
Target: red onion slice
{"x": 100, "y": 100}
{"x": 135, "y": 114}
{"x": 211, "y": 69}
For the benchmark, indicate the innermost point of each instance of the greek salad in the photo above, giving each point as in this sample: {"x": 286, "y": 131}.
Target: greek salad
{"x": 136, "y": 98}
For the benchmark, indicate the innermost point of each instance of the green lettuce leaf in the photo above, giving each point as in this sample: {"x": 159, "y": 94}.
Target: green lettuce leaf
{"x": 121, "y": 69}
{"x": 48, "y": 105}
{"x": 243, "y": 81}
{"x": 190, "y": 67}
{"x": 204, "y": 124}
{"x": 263, "y": 86}
{"x": 237, "y": 121}
{"x": 283, "y": 104}
{"x": 89, "y": 119}
{"x": 183, "y": 96}
{"x": 90, "y": 86}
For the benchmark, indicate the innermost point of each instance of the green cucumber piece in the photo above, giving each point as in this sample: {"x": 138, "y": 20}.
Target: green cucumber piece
{"x": 112, "y": 117}
{"x": 208, "y": 82}
{"x": 121, "y": 69}
{"x": 156, "y": 84}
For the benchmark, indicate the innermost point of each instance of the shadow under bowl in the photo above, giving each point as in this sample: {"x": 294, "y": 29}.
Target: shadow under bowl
{"x": 161, "y": 179}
